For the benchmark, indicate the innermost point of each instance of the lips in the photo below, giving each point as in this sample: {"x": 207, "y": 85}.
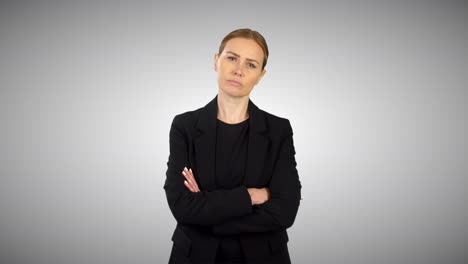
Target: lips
{"x": 235, "y": 83}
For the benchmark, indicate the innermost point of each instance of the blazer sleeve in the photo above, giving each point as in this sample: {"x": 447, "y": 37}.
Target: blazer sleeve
{"x": 204, "y": 207}
{"x": 280, "y": 211}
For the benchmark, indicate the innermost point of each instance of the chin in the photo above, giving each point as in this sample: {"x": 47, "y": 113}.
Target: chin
{"x": 234, "y": 92}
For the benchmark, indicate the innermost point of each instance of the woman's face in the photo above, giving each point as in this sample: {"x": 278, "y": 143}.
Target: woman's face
{"x": 239, "y": 66}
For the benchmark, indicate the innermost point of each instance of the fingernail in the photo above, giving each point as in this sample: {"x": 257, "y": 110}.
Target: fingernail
{"x": 183, "y": 172}
{"x": 186, "y": 182}
{"x": 185, "y": 168}
{"x": 190, "y": 169}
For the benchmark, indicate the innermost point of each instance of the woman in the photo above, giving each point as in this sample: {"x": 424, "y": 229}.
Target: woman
{"x": 231, "y": 181}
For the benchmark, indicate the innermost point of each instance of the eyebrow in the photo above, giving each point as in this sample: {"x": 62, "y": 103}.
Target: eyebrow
{"x": 235, "y": 54}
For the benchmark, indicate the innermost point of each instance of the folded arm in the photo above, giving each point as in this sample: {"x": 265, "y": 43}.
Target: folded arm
{"x": 280, "y": 211}
{"x": 204, "y": 207}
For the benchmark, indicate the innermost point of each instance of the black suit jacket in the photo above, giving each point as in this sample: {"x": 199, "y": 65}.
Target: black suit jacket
{"x": 203, "y": 216}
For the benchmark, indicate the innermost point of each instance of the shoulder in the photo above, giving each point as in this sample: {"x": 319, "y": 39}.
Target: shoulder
{"x": 277, "y": 123}
{"x": 187, "y": 119}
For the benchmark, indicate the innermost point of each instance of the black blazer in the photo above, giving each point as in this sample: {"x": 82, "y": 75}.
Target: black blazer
{"x": 203, "y": 216}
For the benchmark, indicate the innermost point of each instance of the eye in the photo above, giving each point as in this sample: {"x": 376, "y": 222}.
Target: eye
{"x": 251, "y": 65}
{"x": 230, "y": 57}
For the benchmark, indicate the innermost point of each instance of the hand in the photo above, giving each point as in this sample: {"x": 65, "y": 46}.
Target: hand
{"x": 190, "y": 183}
{"x": 259, "y": 196}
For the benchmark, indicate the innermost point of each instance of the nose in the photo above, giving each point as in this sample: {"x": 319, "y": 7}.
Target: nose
{"x": 238, "y": 70}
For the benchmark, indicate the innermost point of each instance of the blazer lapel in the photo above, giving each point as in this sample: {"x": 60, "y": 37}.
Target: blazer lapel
{"x": 205, "y": 146}
{"x": 258, "y": 146}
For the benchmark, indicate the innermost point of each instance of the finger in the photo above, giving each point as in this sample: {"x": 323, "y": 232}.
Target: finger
{"x": 188, "y": 186}
{"x": 193, "y": 180}
{"x": 186, "y": 174}
{"x": 190, "y": 180}
{"x": 194, "y": 186}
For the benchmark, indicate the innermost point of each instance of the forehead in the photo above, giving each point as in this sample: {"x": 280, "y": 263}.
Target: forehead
{"x": 247, "y": 48}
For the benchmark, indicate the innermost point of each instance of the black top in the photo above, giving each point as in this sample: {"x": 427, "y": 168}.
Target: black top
{"x": 231, "y": 157}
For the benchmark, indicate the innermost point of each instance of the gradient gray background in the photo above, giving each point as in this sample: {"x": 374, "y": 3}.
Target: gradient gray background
{"x": 376, "y": 93}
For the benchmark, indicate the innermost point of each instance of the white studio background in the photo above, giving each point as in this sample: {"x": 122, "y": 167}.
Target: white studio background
{"x": 376, "y": 93}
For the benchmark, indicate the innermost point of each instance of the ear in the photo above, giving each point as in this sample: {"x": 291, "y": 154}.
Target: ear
{"x": 216, "y": 62}
{"x": 260, "y": 77}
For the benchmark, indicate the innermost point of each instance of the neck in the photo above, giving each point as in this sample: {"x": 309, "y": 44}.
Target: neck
{"x": 231, "y": 109}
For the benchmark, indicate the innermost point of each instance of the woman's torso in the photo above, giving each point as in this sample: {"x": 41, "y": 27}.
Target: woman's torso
{"x": 231, "y": 157}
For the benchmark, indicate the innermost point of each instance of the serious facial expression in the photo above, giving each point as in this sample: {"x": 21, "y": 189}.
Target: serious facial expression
{"x": 239, "y": 66}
